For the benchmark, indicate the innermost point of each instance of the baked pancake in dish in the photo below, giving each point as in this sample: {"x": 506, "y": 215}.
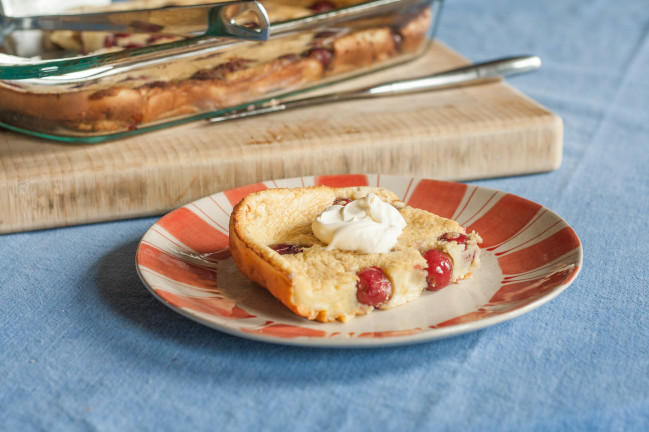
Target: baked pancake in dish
{"x": 215, "y": 74}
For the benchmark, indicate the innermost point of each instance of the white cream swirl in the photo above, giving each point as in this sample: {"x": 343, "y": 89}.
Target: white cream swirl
{"x": 366, "y": 225}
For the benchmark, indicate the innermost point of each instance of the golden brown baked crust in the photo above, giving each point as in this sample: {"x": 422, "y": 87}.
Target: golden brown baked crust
{"x": 320, "y": 284}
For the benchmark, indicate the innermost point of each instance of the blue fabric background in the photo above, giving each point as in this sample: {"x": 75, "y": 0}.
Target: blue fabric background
{"x": 84, "y": 346}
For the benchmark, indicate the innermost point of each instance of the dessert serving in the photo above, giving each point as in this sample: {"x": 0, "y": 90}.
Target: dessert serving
{"x": 171, "y": 80}
{"x": 334, "y": 253}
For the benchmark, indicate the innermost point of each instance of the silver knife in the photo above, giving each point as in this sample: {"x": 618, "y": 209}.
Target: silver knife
{"x": 467, "y": 75}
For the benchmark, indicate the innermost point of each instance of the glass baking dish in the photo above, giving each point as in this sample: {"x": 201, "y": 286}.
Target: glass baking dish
{"x": 109, "y": 93}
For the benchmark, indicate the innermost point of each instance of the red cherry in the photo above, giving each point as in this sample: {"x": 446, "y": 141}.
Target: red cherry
{"x": 322, "y": 6}
{"x": 454, "y": 236}
{"x": 287, "y": 248}
{"x": 440, "y": 269}
{"x": 374, "y": 287}
{"x": 342, "y": 201}
{"x": 109, "y": 41}
{"x": 322, "y": 55}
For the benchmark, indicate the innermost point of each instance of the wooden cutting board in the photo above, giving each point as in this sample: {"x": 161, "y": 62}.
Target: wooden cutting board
{"x": 458, "y": 134}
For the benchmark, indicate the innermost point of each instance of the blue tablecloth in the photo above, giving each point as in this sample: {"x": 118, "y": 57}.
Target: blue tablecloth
{"x": 84, "y": 346}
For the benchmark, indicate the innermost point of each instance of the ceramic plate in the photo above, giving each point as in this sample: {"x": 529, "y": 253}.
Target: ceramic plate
{"x": 530, "y": 255}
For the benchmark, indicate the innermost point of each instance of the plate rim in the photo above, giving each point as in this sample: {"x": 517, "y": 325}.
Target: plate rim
{"x": 429, "y": 335}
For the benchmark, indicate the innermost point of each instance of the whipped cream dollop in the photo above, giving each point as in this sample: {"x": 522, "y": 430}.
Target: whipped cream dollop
{"x": 366, "y": 225}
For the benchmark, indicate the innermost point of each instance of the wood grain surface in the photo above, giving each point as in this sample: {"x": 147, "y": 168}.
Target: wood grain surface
{"x": 468, "y": 133}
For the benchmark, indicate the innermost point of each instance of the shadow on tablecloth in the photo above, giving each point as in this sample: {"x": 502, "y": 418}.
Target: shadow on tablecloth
{"x": 138, "y": 315}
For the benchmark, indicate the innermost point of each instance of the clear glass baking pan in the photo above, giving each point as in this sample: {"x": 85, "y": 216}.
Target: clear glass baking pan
{"x": 94, "y": 86}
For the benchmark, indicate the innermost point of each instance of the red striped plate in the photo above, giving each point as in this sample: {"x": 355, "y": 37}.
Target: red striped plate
{"x": 530, "y": 255}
